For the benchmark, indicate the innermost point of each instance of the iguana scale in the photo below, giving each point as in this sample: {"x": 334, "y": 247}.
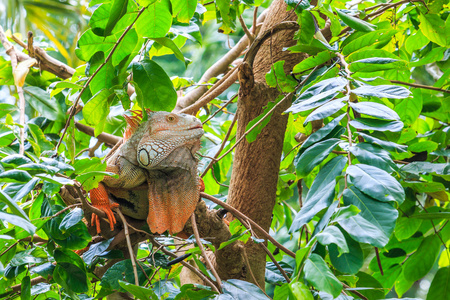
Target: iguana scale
{"x": 157, "y": 170}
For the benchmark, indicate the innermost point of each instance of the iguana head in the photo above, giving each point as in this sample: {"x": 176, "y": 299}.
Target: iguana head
{"x": 165, "y": 132}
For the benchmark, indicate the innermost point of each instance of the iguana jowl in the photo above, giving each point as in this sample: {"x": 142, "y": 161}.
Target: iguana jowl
{"x": 157, "y": 170}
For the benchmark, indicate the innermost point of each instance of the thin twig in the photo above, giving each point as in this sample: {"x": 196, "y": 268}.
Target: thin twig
{"x": 255, "y": 17}
{"x": 202, "y": 249}
{"x": 225, "y": 139}
{"x": 354, "y": 292}
{"x": 421, "y": 86}
{"x": 220, "y": 109}
{"x": 73, "y": 110}
{"x": 187, "y": 265}
{"x": 250, "y": 37}
{"x": 377, "y": 253}
{"x": 237, "y": 213}
{"x": 130, "y": 247}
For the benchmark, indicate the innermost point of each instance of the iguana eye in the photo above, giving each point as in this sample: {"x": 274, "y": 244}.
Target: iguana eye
{"x": 170, "y": 118}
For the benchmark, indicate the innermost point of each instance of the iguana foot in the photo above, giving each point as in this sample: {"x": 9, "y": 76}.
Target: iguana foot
{"x": 100, "y": 200}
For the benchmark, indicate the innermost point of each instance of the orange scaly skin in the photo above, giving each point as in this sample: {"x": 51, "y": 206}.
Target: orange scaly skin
{"x": 157, "y": 156}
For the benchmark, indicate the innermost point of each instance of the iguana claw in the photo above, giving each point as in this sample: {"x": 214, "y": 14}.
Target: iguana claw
{"x": 100, "y": 200}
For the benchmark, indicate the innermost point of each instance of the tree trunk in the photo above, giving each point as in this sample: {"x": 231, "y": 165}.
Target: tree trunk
{"x": 256, "y": 165}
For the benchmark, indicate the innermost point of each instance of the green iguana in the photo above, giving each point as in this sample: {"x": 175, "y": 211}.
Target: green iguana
{"x": 157, "y": 170}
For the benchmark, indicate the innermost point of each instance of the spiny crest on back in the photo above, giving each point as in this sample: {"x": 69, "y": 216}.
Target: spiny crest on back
{"x": 133, "y": 122}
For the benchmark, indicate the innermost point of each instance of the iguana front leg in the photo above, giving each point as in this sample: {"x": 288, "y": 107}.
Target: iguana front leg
{"x": 130, "y": 176}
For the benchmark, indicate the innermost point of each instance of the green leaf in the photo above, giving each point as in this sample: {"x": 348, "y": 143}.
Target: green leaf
{"x": 314, "y": 155}
{"x": 390, "y": 146}
{"x": 382, "y": 91}
{"x": 25, "y": 288}
{"x": 377, "y": 125}
{"x": 355, "y": 23}
{"x": 324, "y": 132}
{"x": 326, "y": 110}
{"x": 97, "y": 109}
{"x": 376, "y": 183}
{"x": 422, "y": 146}
{"x": 372, "y": 39}
{"x": 166, "y": 42}
{"x": 320, "y": 276}
{"x": 155, "y": 21}
{"x": 15, "y": 160}
{"x": 239, "y": 289}
{"x": 409, "y": 109}
{"x": 435, "y": 29}
{"x": 332, "y": 235}
{"x": 276, "y": 77}
{"x": 372, "y": 54}
{"x": 375, "y": 110}
{"x": 184, "y": 9}
{"x": 138, "y": 291}
{"x": 71, "y": 219}
{"x": 350, "y": 262}
{"x": 440, "y": 286}
{"x": 40, "y": 138}
{"x": 70, "y": 271}
{"x": 152, "y": 80}
{"x": 420, "y": 263}
{"x": 313, "y": 61}
{"x": 15, "y": 176}
{"x": 12, "y": 203}
{"x": 300, "y": 291}
{"x": 318, "y": 94}
{"x": 118, "y": 10}
{"x": 18, "y": 221}
{"x": 406, "y": 227}
{"x": 307, "y": 29}
{"x": 320, "y": 200}
{"x": 422, "y": 167}
{"x": 40, "y": 100}
{"x": 375, "y": 222}
{"x": 121, "y": 271}
{"x": 375, "y": 64}
{"x": 6, "y": 108}
{"x": 373, "y": 155}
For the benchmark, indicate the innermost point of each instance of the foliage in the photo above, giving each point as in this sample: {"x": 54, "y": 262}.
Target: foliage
{"x": 363, "y": 200}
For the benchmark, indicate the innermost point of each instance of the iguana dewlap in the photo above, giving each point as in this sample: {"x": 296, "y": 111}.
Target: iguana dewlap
{"x": 157, "y": 170}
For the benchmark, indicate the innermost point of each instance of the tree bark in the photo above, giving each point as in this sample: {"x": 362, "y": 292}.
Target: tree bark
{"x": 256, "y": 165}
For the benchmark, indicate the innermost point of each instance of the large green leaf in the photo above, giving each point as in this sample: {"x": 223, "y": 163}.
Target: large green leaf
{"x": 184, "y": 9}
{"x": 332, "y": 235}
{"x": 314, "y": 155}
{"x": 434, "y": 28}
{"x": 40, "y": 100}
{"x": 15, "y": 176}
{"x": 138, "y": 291}
{"x": 372, "y": 39}
{"x": 324, "y": 132}
{"x": 155, "y": 21}
{"x": 326, "y": 110}
{"x": 420, "y": 263}
{"x": 320, "y": 200}
{"x": 320, "y": 276}
{"x": 440, "y": 286}
{"x": 375, "y": 64}
{"x": 118, "y": 10}
{"x": 375, "y": 222}
{"x": 12, "y": 203}
{"x": 382, "y": 91}
{"x": 373, "y": 155}
{"x": 240, "y": 290}
{"x": 70, "y": 271}
{"x": 390, "y": 146}
{"x": 376, "y": 183}
{"x": 156, "y": 90}
{"x": 377, "y": 125}
{"x": 375, "y": 110}
{"x": 409, "y": 109}
{"x": 318, "y": 94}
{"x": 355, "y": 23}
{"x": 313, "y": 61}
{"x": 18, "y": 221}
{"x": 350, "y": 262}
